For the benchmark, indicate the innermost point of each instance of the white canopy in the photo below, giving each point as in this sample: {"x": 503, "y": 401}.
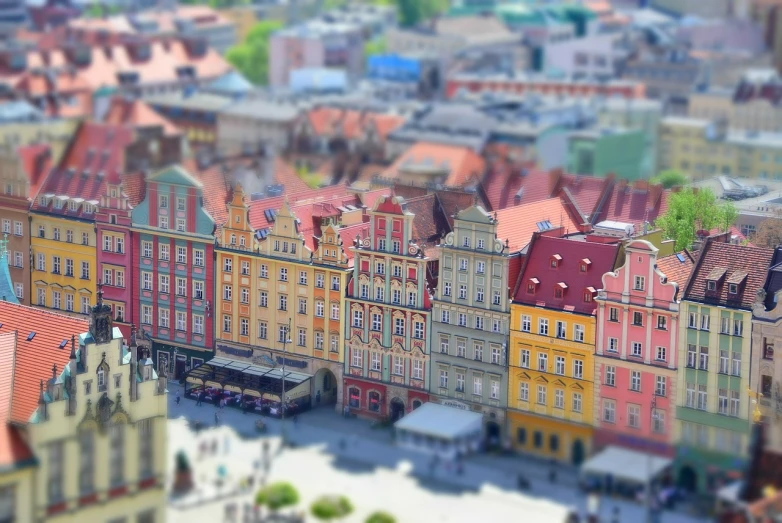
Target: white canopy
{"x": 439, "y": 421}
{"x": 625, "y": 465}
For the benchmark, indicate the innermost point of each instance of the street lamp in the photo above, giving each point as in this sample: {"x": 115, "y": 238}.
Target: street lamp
{"x": 285, "y": 343}
{"x": 653, "y": 416}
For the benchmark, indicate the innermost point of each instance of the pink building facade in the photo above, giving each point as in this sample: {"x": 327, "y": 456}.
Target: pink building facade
{"x": 636, "y": 353}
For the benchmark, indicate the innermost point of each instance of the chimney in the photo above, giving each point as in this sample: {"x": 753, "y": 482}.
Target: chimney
{"x": 655, "y": 192}
{"x": 641, "y": 185}
{"x": 133, "y": 364}
{"x": 42, "y": 409}
{"x": 72, "y": 378}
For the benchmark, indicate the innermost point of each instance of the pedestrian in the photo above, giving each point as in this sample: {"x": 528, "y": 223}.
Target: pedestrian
{"x": 459, "y": 467}
{"x": 178, "y": 399}
{"x": 342, "y": 444}
{"x": 552, "y": 475}
{"x": 317, "y": 398}
{"x": 615, "y": 518}
{"x": 217, "y": 422}
{"x": 199, "y": 397}
{"x": 265, "y": 447}
{"x": 295, "y": 419}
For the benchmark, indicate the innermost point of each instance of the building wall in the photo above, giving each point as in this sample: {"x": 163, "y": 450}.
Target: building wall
{"x": 754, "y": 115}
{"x": 644, "y": 119}
{"x": 14, "y": 219}
{"x": 528, "y": 378}
{"x": 521, "y": 86}
{"x": 712, "y": 9}
{"x": 289, "y": 53}
{"x": 766, "y": 374}
{"x": 234, "y": 132}
{"x": 591, "y": 56}
{"x": 489, "y": 364}
{"x": 81, "y": 251}
{"x": 704, "y": 436}
{"x": 22, "y": 481}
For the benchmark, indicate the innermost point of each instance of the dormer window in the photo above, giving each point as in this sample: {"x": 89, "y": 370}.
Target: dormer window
{"x": 532, "y": 285}
{"x": 555, "y": 260}
{"x": 735, "y": 281}
{"x": 711, "y": 286}
{"x": 559, "y": 289}
{"x": 42, "y": 200}
{"x": 585, "y": 263}
{"x": 733, "y": 288}
{"x": 58, "y": 203}
{"x": 589, "y": 294}
{"x": 557, "y": 292}
{"x": 73, "y": 206}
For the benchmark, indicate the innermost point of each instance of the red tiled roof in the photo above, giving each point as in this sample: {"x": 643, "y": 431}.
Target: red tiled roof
{"x": 348, "y": 235}
{"x": 36, "y": 162}
{"x": 586, "y": 192}
{"x": 57, "y": 93}
{"x": 748, "y": 266}
{"x": 429, "y": 224}
{"x": 370, "y": 198}
{"x": 463, "y": 164}
{"x": 636, "y": 206}
{"x": 517, "y": 224}
{"x": 137, "y": 113}
{"x": 96, "y": 153}
{"x": 328, "y": 121}
{"x": 675, "y": 269}
{"x": 295, "y": 197}
{"x": 503, "y": 183}
{"x": 135, "y": 187}
{"x": 35, "y": 358}
{"x": 735, "y": 235}
{"x": 13, "y": 450}
{"x": 453, "y": 202}
{"x": 568, "y": 272}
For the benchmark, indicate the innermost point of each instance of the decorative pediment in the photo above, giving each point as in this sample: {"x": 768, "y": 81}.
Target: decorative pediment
{"x": 104, "y": 412}
{"x": 541, "y": 379}
{"x": 576, "y": 386}
{"x": 119, "y": 415}
{"x": 560, "y": 383}
{"x": 88, "y": 422}
{"x": 523, "y": 376}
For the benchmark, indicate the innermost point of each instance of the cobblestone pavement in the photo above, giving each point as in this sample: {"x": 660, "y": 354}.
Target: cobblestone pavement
{"x": 355, "y": 449}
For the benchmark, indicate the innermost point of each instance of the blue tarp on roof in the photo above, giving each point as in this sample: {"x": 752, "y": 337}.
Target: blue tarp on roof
{"x": 318, "y": 79}
{"x": 394, "y": 67}
{"x": 19, "y": 110}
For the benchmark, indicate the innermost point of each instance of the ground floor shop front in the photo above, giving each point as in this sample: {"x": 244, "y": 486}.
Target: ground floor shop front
{"x": 550, "y": 438}
{"x": 177, "y": 360}
{"x": 382, "y": 401}
{"x": 705, "y": 471}
{"x": 605, "y": 437}
{"x": 494, "y": 433}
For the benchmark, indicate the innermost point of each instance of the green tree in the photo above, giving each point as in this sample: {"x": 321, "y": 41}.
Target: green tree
{"x": 413, "y": 12}
{"x": 380, "y": 517}
{"x": 690, "y": 211}
{"x": 327, "y": 508}
{"x": 277, "y": 496}
{"x": 374, "y": 47}
{"x": 251, "y": 57}
{"x": 670, "y": 178}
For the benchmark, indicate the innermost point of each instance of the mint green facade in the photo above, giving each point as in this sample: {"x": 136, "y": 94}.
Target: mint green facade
{"x": 712, "y": 404}
{"x": 620, "y": 152}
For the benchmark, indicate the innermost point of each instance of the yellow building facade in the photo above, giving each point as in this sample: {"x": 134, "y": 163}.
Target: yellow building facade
{"x": 549, "y": 407}
{"x": 64, "y": 261}
{"x": 703, "y": 148}
{"x": 267, "y": 282}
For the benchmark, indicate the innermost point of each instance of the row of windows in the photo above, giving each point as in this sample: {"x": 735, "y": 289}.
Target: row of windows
{"x": 114, "y": 243}
{"x": 283, "y": 274}
{"x": 419, "y": 327}
{"x": 703, "y": 322}
{"x": 163, "y": 200}
{"x": 282, "y": 246}
{"x": 66, "y": 268}
{"x": 18, "y": 227}
{"x": 559, "y": 364}
{"x": 479, "y": 323}
{"x": 638, "y": 318}
{"x": 633, "y": 416}
{"x": 660, "y": 382}
{"x": 479, "y": 293}
{"x": 57, "y": 236}
{"x": 495, "y": 352}
{"x": 541, "y": 398}
{"x": 164, "y": 285}
{"x": 559, "y": 332}
{"x": 724, "y": 440}
{"x": 164, "y": 253}
{"x": 729, "y": 362}
{"x": 637, "y": 350}
{"x": 164, "y": 319}
{"x": 396, "y": 295}
{"x": 397, "y": 363}
{"x": 66, "y": 301}
{"x": 463, "y": 266}
{"x": 477, "y": 384}
{"x": 728, "y": 402}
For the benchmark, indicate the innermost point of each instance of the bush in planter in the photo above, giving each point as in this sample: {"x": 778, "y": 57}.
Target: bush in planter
{"x": 277, "y": 496}
{"x": 183, "y": 479}
{"x": 327, "y": 508}
{"x": 380, "y": 517}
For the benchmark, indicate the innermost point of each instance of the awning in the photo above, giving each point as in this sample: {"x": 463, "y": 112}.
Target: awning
{"x": 562, "y": 285}
{"x": 626, "y": 465}
{"x": 439, "y": 421}
{"x": 730, "y": 492}
{"x": 241, "y": 376}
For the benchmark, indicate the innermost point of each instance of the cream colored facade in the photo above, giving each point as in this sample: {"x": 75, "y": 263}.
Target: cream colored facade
{"x": 102, "y": 451}
{"x": 754, "y": 115}
{"x": 701, "y": 8}
{"x": 702, "y": 148}
{"x": 765, "y": 373}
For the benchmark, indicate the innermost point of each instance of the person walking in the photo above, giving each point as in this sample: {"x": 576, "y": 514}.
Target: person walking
{"x": 199, "y": 398}
{"x": 177, "y": 399}
{"x": 217, "y": 420}
{"x": 615, "y": 518}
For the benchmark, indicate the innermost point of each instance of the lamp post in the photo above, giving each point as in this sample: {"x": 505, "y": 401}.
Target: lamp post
{"x": 285, "y": 343}
{"x": 653, "y": 416}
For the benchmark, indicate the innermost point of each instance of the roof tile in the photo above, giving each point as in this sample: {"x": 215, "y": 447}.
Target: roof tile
{"x": 517, "y": 224}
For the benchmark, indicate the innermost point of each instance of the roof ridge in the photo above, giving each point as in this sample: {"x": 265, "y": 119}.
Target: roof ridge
{"x": 44, "y": 311}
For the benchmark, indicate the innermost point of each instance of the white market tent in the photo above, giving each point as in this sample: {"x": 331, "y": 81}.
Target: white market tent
{"x": 439, "y": 421}
{"x": 626, "y": 465}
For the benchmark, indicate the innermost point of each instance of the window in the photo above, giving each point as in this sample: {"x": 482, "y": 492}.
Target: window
{"x": 283, "y": 274}
{"x": 358, "y": 319}
{"x": 524, "y": 391}
{"x": 418, "y": 369}
{"x": 198, "y": 290}
{"x": 117, "y": 454}
{"x": 705, "y": 321}
{"x": 733, "y": 288}
{"x": 335, "y": 311}
{"x": 702, "y": 397}
{"x": 445, "y": 316}
{"x": 19, "y": 231}
{"x": 283, "y": 302}
{"x": 107, "y": 242}
{"x": 180, "y": 226}
{"x": 479, "y": 323}
{"x": 722, "y": 401}
{"x": 180, "y": 204}
{"x": 119, "y": 280}
{"x": 693, "y": 320}
{"x": 263, "y": 330}
{"x": 610, "y": 375}
{"x": 85, "y": 270}
{"x": 609, "y": 411}
{"x": 56, "y": 472}
{"x": 418, "y": 329}
{"x": 19, "y": 290}
{"x": 559, "y": 399}
{"x": 543, "y": 327}
{"x": 397, "y": 270}
{"x": 578, "y": 369}
{"x": 399, "y": 326}
{"x": 381, "y": 244}
{"x": 379, "y": 293}
{"x": 462, "y": 264}
{"x": 198, "y": 258}
{"x": 692, "y": 356}
{"x": 526, "y": 323}
{"x": 163, "y": 222}
{"x": 227, "y": 291}
{"x": 396, "y": 246}
{"x": 578, "y": 333}
{"x": 613, "y": 345}
{"x": 69, "y": 267}
{"x": 542, "y": 394}
{"x": 41, "y": 231}
{"x": 282, "y": 334}
{"x": 690, "y": 396}
{"x": 637, "y": 349}
{"x": 613, "y": 314}
{"x": 164, "y": 317}
{"x": 302, "y": 306}
{"x": 146, "y": 249}
{"x": 86, "y": 462}
{"x": 479, "y": 294}
{"x": 146, "y": 314}
{"x": 481, "y": 267}
{"x": 459, "y": 382}
{"x": 181, "y": 255}
{"x": 477, "y": 351}
{"x": 461, "y": 347}
{"x": 57, "y": 234}
{"x": 738, "y": 328}
{"x": 662, "y": 323}
{"x": 380, "y": 268}
{"x": 18, "y": 259}
{"x": 559, "y": 365}
{"x": 181, "y": 322}
{"x": 638, "y": 318}
{"x": 57, "y": 267}
{"x": 399, "y": 366}
{"x": 735, "y": 364}
{"x": 302, "y": 337}
{"x": 635, "y": 381}
{"x": 462, "y": 292}
{"x": 703, "y": 360}
{"x": 497, "y": 300}
{"x": 724, "y": 362}
{"x": 658, "y": 421}
{"x": 640, "y": 283}
{"x": 198, "y": 324}
{"x": 634, "y": 416}
{"x": 495, "y": 355}
{"x": 661, "y": 354}
{"x": 661, "y": 386}
{"x": 354, "y": 397}
{"x": 447, "y": 289}
{"x": 542, "y": 362}
{"x": 561, "y": 329}
{"x": 165, "y": 252}
{"x": 163, "y": 201}
{"x": 319, "y": 340}
{"x": 735, "y": 402}
{"x": 85, "y": 238}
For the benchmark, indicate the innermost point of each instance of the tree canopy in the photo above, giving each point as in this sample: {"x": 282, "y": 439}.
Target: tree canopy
{"x": 670, "y": 178}
{"x": 327, "y": 508}
{"x": 375, "y": 47}
{"x": 277, "y": 496}
{"x": 690, "y": 211}
{"x": 769, "y": 232}
{"x": 380, "y": 517}
{"x": 251, "y": 57}
{"x": 413, "y": 12}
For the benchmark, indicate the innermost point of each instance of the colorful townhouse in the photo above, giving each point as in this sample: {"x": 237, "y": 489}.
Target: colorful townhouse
{"x": 173, "y": 266}
{"x": 552, "y": 344}
{"x": 637, "y": 347}
{"x": 388, "y": 307}
{"x": 276, "y": 277}
{"x": 63, "y": 221}
{"x": 712, "y": 400}
{"x": 471, "y": 321}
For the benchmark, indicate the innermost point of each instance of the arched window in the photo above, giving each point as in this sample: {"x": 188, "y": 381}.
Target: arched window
{"x": 416, "y": 404}
{"x": 354, "y": 398}
{"x": 553, "y": 443}
{"x": 374, "y": 401}
{"x": 102, "y": 379}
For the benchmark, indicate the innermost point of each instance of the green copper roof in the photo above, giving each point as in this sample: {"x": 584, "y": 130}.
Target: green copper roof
{"x": 7, "y": 292}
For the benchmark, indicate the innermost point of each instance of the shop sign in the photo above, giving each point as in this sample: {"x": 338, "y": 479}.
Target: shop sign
{"x": 456, "y": 404}
{"x": 242, "y": 353}
{"x": 292, "y": 363}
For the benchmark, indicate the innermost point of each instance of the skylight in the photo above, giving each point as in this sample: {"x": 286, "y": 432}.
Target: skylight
{"x": 31, "y": 336}
{"x": 545, "y": 225}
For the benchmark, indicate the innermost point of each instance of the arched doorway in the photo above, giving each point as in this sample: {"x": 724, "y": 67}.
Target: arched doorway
{"x": 324, "y": 388}
{"x": 688, "y": 479}
{"x": 397, "y": 409}
{"x": 416, "y": 404}
{"x": 577, "y": 452}
{"x": 492, "y": 434}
